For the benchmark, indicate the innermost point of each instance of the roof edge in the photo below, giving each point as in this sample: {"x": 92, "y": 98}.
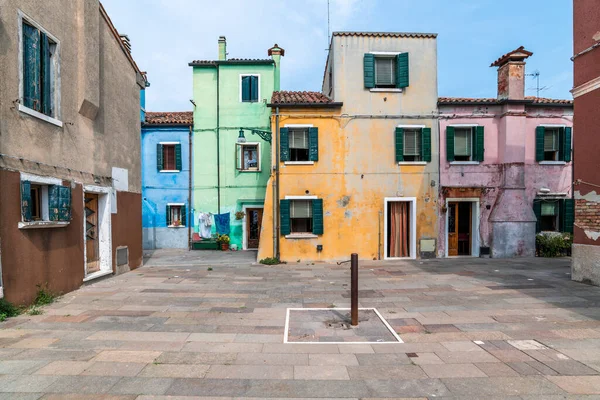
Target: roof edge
{"x": 336, "y": 104}
{"x": 397, "y": 34}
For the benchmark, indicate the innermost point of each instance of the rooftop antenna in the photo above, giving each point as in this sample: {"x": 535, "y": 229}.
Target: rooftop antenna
{"x": 328, "y": 28}
{"x": 536, "y": 76}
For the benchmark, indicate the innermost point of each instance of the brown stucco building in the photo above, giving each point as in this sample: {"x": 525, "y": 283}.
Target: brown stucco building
{"x": 586, "y": 92}
{"x": 70, "y": 204}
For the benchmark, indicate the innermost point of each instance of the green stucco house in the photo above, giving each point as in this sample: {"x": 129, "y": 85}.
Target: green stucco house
{"x": 231, "y": 160}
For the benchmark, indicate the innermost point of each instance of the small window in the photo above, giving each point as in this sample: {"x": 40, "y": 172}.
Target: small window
{"x": 385, "y": 72}
{"x": 549, "y": 216}
{"x": 36, "y": 202}
{"x": 301, "y": 216}
{"x": 45, "y": 202}
{"x": 39, "y": 61}
{"x": 169, "y": 157}
{"x": 176, "y": 215}
{"x": 551, "y": 144}
{"x": 412, "y": 144}
{"x": 248, "y": 157}
{"x": 463, "y": 144}
{"x": 250, "y": 88}
{"x": 298, "y": 142}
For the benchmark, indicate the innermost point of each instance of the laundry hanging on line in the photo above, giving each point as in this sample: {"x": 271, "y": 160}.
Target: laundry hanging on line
{"x": 222, "y": 223}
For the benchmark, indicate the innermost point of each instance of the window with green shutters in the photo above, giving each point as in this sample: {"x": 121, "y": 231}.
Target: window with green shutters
{"x": 168, "y": 157}
{"x": 465, "y": 143}
{"x": 301, "y": 216}
{"x": 554, "y": 215}
{"x": 176, "y": 215}
{"x": 249, "y": 88}
{"x": 43, "y": 202}
{"x": 413, "y": 144}
{"x": 385, "y": 70}
{"x": 39, "y": 59}
{"x": 299, "y": 144}
{"x": 553, "y": 143}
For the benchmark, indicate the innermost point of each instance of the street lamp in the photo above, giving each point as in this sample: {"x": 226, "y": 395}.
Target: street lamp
{"x": 241, "y": 138}
{"x": 264, "y": 135}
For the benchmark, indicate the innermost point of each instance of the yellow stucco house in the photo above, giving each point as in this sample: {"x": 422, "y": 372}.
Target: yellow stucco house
{"x": 355, "y": 166}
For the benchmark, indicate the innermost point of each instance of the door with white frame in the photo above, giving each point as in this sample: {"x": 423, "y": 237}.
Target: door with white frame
{"x": 97, "y": 231}
{"x": 400, "y": 229}
{"x": 462, "y": 227}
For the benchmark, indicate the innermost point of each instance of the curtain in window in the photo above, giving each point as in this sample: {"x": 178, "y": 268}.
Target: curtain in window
{"x": 301, "y": 209}
{"x": 412, "y": 143}
{"x": 250, "y": 157}
{"x": 462, "y": 142}
{"x": 548, "y": 209}
{"x": 399, "y": 229}
{"x": 298, "y": 139}
{"x": 550, "y": 140}
{"x": 384, "y": 71}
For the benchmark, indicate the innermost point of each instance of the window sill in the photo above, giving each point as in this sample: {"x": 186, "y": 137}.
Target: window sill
{"x": 301, "y": 236}
{"x": 412, "y": 162}
{"x": 249, "y": 170}
{"x": 465, "y": 162}
{"x": 43, "y": 224}
{"x": 96, "y": 275}
{"x": 386, "y": 90}
{"x": 176, "y": 226}
{"x": 553, "y": 162}
{"x": 169, "y": 170}
{"x": 299, "y": 163}
{"x": 37, "y": 114}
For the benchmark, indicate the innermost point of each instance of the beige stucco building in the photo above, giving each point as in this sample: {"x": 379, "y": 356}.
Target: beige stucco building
{"x": 70, "y": 206}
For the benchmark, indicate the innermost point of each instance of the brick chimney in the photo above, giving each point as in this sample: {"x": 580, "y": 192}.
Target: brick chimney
{"x": 276, "y": 53}
{"x": 222, "y": 48}
{"x": 511, "y": 74}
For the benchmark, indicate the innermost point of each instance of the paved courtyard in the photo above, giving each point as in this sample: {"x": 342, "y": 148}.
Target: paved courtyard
{"x": 183, "y": 327}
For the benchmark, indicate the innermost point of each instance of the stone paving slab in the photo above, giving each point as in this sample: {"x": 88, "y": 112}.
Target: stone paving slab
{"x": 472, "y": 329}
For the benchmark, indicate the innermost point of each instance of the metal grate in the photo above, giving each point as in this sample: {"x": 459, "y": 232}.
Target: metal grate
{"x": 122, "y": 256}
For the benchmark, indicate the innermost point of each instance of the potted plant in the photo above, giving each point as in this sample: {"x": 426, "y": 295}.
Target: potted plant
{"x": 240, "y": 215}
{"x": 223, "y": 241}
{"x": 176, "y": 223}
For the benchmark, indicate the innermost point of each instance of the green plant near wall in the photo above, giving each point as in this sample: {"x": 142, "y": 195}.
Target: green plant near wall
{"x": 44, "y": 296}
{"x": 7, "y": 310}
{"x": 553, "y": 245}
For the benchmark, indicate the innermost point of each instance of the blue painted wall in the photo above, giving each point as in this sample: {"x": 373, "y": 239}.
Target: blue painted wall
{"x": 161, "y": 188}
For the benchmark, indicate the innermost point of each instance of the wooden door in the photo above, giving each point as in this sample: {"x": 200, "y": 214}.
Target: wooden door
{"x": 452, "y": 229}
{"x": 253, "y": 225}
{"x": 91, "y": 233}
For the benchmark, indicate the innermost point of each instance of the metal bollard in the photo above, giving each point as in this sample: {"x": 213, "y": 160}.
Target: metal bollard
{"x": 354, "y": 289}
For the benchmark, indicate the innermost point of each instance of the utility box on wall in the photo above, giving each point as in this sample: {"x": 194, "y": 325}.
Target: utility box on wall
{"x": 427, "y": 248}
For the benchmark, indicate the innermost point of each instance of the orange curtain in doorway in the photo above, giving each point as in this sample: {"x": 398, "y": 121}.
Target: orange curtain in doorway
{"x": 399, "y": 229}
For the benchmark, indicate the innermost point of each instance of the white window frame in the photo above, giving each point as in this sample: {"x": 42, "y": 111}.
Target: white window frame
{"x": 412, "y": 223}
{"x": 298, "y": 162}
{"x": 104, "y": 233}
{"x": 241, "y": 155}
{"x": 412, "y": 127}
{"x": 170, "y": 170}
{"x": 184, "y": 223}
{"x": 240, "y": 90}
{"x": 303, "y": 235}
{"x": 55, "y": 120}
{"x": 475, "y": 215}
{"x": 44, "y": 182}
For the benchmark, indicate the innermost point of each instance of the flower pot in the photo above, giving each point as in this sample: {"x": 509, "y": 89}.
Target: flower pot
{"x": 224, "y": 246}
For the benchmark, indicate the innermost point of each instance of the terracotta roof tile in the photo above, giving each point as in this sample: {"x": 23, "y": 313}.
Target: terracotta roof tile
{"x": 388, "y": 34}
{"x": 169, "y": 118}
{"x": 543, "y": 100}
{"x": 487, "y": 100}
{"x": 233, "y": 61}
{"x": 291, "y": 97}
{"x": 518, "y": 54}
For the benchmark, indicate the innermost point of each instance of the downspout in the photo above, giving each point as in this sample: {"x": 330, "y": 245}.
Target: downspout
{"x": 276, "y": 188}
{"x": 218, "y": 150}
{"x": 190, "y": 219}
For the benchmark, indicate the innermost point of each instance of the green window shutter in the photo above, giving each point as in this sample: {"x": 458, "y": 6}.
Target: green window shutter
{"x": 31, "y": 67}
{"x": 313, "y": 144}
{"x": 168, "y": 215}
{"x": 245, "y": 88}
{"x": 284, "y": 145}
{"x": 284, "y": 217}
{"x": 183, "y": 216}
{"x": 567, "y": 215}
{"x": 26, "y": 200}
{"x": 399, "y": 142}
{"x": 539, "y": 143}
{"x": 317, "y": 210}
{"x": 64, "y": 203}
{"x": 159, "y": 157}
{"x": 450, "y": 144}
{"x": 178, "y": 157}
{"x": 537, "y": 210}
{"x": 567, "y": 145}
{"x": 479, "y": 143}
{"x": 45, "y": 74}
{"x": 369, "y": 70}
{"x": 426, "y": 145}
{"x": 54, "y": 202}
{"x": 402, "y": 70}
{"x": 254, "y": 88}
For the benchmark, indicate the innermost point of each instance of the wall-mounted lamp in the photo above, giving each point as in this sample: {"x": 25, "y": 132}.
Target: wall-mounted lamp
{"x": 241, "y": 138}
{"x": 264, "y": 135}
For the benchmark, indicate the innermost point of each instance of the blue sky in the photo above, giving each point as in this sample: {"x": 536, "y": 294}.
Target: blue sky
{"x": 167, "y": 34}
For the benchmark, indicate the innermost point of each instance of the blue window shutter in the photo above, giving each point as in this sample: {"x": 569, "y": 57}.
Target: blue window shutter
{"x": 399, "y": 143}
{"x": 31, "y": 67}
{"x": 245, "y": 88}
{"x": 284, "y": 217}
{"x": 284, "y": 145}
{"x": 479, "y": 143}
{"x": 54, "y": 202}
{"x": 539, "y": 143}
{"x": 178, "y": 157}
{"x": 402, "y": 70}
{"x": 313, "y": 144}
{"x": 317, "y": 210}
{"x": 450, "y": 144}
{"x": 26, "y": 200}
{"x": 567, "y": 145}
{"x": 159, "y": 157}
{"x": 45, "y": 80}
{"x": 426, "y": 144}
{"x": 369, "y": 70}
{"x": 254, "y": 88}
{"x": 64, "y": 206}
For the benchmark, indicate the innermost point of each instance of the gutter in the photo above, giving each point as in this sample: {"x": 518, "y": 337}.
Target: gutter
{"x": 189, "y": 213}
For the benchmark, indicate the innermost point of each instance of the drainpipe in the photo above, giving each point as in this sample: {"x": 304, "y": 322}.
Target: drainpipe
{"x": 276, "y": 188}
{"x": 190, "y": 219}
{"x": 218, "y": 150}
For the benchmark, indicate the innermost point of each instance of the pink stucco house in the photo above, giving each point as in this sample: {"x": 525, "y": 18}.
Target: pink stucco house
{"x": 505, "y": 168}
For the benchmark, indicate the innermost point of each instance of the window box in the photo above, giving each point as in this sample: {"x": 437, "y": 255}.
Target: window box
{"x": 413, "y": 144}
{"x": 465, "y": 144}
